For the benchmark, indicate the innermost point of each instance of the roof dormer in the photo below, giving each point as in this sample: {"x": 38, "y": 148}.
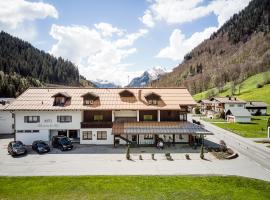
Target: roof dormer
{"x": 89, "y": 98}
{"x": 61, "y": 99}
{"x": 126, "y": 93}
{"x": 152, "y": 98}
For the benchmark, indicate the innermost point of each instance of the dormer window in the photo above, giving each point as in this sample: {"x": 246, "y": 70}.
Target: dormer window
{"x": 89, "y": 98}
{"x": 152, "y": 98}
{"x": 61, "y": 99}
{"x": 126, "y": 93}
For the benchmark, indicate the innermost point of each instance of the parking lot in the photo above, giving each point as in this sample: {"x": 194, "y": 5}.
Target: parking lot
{"x": 106, "y": 160}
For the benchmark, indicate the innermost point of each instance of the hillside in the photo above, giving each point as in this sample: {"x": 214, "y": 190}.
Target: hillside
{"x": 22, "y": 65}
{"x": 238, "y": 50}
{"x": 250, "y": 89}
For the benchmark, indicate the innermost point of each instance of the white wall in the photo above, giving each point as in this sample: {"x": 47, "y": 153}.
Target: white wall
{"x": 48, "y": 120}
{"x": 243, "y": 119}
{"x": 94, "y": 136}
{"x": 28, "y": 138}
{"x": 6, "y": 122}
{"x": 231, "y": 105}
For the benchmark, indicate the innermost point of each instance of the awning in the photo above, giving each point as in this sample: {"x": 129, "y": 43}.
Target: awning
{"x": 133, "y": 128}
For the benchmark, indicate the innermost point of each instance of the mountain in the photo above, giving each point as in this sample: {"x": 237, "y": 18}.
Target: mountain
{"x": 104, "y": 84}
{"x": 22, "y": 66}
{"x": 147, "y": 77}
{"x": 238, "y": 50}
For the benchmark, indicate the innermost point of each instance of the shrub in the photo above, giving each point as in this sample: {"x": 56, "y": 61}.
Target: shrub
{"x": 128, "y": 153}
{"x": 187, "y": 157}
{"x": 222, "y": 146}
{"x": 168, "y": 156}
{"x": 197, "y": 110}
{"x": 140, "y": 157}
{"x": 259, "y": 85}
{"x": 153, "y": 156}
{"x": 202, "y": 153}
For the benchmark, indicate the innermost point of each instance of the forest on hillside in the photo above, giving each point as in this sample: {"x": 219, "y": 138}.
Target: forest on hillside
{"x": 22, "y": 66}
{"x": 238, "y": 50}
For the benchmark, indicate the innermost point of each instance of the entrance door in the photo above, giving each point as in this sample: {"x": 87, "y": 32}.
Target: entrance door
{"x": 62, "y": 132}
{"x": 134, "y": 138}
{"x": 73, "y": 134}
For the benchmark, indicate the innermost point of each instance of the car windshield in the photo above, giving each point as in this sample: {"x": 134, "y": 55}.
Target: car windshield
{"x": 65, "y": 141}
{"x": 17, "y": 145}
{"x": 41, "y": 144}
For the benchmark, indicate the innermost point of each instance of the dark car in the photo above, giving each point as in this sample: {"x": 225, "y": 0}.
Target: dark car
{"x": 62, "y": 142}
{"x": 16, "y": 148}
{"x": 40, "y": 146}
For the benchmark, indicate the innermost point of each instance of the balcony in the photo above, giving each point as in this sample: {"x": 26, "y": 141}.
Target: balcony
{"x": 96, "y": 124}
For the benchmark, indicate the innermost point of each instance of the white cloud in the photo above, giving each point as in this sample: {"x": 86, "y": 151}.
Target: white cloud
{"x": 108, "y": 30}
{"x": 180, "y": 45}
{"x": 97, "y": 56}
{"x": 182, "y": 11}
{"x": 17, "y": 16}
{"x": 147, "y": 19}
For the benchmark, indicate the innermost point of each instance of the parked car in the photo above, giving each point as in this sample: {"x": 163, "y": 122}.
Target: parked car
{"x": 62, "y": 142}
{"x": 16, "y": 148}
{"x": 40, "y": 146}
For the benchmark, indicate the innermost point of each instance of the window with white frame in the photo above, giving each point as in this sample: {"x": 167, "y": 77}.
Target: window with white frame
{"x": 101, "y": 135}
{"x": 64, "y": 119}
{"x": 31, "y": 119}
{"x": 87, "y": 135}
{"x": 88, "y": 102}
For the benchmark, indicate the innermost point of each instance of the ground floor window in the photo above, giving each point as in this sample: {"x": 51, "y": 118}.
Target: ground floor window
{"x": 148, "y": 137}
{"x": 102, "y": 135}
{"x": 87, "y": 135}
{"x": 148, "y": 117}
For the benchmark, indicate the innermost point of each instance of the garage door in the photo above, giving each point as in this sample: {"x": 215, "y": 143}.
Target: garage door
{"x": 28, "y": 137}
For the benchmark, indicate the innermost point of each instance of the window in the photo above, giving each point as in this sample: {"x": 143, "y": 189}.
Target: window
{"x": 239, "y": 105}
{"x": 28, "y": 131}
{"x": 148, "y": 137}
{"x": 180, "y": 137}
{"x": 98, "y": 117}
{"x": 35, "y": 131}
{"x": 59, "y": 101}
{"x": 152, "y": 102}
{"x": 31, "y": 119}
{"x": 231, "y": 105}
{"x": 148, "y": 117}
{"x": 87, "y": 135}
{"x": 88, "y": 102}
{"x": 19, "y": 131}
{"x": 64, "y": 119}
{"x": 101, "y": 135}
{"x": 183, "y": 117}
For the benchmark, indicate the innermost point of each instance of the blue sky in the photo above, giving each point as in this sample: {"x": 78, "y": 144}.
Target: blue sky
{"x": 113, "y": 39}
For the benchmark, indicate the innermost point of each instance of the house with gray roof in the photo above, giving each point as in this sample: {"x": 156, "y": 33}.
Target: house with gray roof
{"x": 241, "y": 115}
{"x": 257, "y": 107}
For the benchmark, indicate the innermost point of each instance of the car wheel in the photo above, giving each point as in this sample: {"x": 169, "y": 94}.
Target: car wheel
{"x": 62, "y": 148}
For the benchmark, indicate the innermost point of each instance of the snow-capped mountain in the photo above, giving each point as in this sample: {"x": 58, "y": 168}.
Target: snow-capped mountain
{"x": 147, "y": 77}
{"x": 104, "y": 84}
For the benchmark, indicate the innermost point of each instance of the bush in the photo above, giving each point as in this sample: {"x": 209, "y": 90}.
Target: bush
{"x": 153, "y": 156}
{"x": 168, "y": 156}
{"x": 202, "y": 153}
{"x": 222, "y": 146}
{"x": 259, "y": 85}
{"x": 197, "y": 111}
{"x": 140, "y": 157}
{"x": 128, "y": 153}
{"x": 187, "y": 157}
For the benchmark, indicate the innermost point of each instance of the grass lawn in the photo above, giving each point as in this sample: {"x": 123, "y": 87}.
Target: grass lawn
{"x": 255, "y": 129}
{"x": 133, "y": 187}
{"x": 213, "y": 120}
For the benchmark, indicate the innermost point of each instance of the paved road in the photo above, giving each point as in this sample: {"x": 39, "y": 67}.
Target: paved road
{"x": 255, "y": 152}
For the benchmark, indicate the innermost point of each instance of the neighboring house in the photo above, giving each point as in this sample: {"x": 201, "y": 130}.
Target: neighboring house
{"x": 6, "y": 117}
{"x": 238, "y": 115}
{"x": 221, "y": 104}
{"x": 105, "y": 116}
{"x": 205, "y": 106}
{"x": 257, "y": 107}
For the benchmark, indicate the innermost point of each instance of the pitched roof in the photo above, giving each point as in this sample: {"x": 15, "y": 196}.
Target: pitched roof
{"x": 238, "y": 112}
{"x": 158, "y": 128}
{"x": 5, "y": 102}
{"x": 228, "y": 100}
{"x": 206, "y": 101}
{"x": 109, "y": 99}
{"x": 252, "y": 104}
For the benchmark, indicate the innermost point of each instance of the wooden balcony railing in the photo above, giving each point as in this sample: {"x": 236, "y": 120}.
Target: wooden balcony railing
{"x": 96, "y": 124}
